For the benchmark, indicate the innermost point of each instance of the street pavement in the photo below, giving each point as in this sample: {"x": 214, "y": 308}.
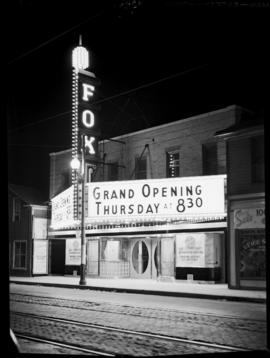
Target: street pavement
{"x": 240, "y": 331}
{"x": 175, "y": 288}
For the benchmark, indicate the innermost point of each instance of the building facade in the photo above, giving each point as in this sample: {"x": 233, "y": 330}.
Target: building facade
{"x": 246, "y": 204}
{"x": 28, "y": 231}
{"x": 181, "y": 248}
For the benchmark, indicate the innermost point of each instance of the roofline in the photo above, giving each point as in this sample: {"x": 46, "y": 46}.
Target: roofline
{"x": 61, "y": 152}
{"x": 184, "y": 120}
{"x": 242, "y": 132}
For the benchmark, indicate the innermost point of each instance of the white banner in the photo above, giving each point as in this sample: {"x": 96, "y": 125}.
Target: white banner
{"x": 40, "y": 228}
{"x": 190, "y": 250}
{"x": 73, "y": 252}
{"x": 157, "y": 199}
{"x": 62, "y": 209}
{"x": 40, "y": 257}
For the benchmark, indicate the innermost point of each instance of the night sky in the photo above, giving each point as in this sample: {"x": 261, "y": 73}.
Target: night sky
{"x": 158, "y": 61}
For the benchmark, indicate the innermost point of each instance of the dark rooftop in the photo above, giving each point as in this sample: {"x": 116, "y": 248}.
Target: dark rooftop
{"x": 29, "y": 195}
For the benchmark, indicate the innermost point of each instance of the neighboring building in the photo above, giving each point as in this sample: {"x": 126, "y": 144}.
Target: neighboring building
{"x": 190, "y": 247}
{"x": 28, "y": 231}
{"x": 246, "y": 203}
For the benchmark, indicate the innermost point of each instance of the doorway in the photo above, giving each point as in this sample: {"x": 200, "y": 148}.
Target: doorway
{"x": 58, "y": 248}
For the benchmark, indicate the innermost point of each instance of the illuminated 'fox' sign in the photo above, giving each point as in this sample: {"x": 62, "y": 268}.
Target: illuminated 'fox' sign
{"x": 84, "y": 128}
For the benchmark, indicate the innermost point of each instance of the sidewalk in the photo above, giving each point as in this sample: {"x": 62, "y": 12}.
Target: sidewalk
{"x": 153, "y": 287}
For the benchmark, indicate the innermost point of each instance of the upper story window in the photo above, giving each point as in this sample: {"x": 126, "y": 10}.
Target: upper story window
{"x": 140, "y": 168}
{"x": 209, "y": 159}
{"x": 113, "y": 171}
{"x": 16, "y": 214}
{"x": 19, "y": 255}
{"x": 173, "y": 164}
{"x": 89, "y": 171}
{"x": 257, "y": 159}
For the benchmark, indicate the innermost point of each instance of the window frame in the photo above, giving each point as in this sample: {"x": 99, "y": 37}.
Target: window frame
{"x": 14, "y": 206}
{"x": 136, "y": 172}
{"x": 14, "y": 255}
{"x": 168, "y": 153}
{"x": 205, "y": 166}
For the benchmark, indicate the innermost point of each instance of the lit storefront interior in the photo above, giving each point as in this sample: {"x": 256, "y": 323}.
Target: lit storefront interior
{"x": 186, "y": 255}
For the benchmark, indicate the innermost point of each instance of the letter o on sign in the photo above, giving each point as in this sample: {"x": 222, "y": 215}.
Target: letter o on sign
{"x": 88, "y": 118}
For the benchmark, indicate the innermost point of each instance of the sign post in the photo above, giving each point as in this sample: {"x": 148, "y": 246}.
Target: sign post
{"x": 84, "y": 137}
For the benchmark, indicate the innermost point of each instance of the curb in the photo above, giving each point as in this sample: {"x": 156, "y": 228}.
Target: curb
{"x": 147, "y": 292}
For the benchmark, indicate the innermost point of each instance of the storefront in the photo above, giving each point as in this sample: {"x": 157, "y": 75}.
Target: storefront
{"x": 195, "y": 255}
{"x": 247, "y": 243}
{"x": 160, "y": 228}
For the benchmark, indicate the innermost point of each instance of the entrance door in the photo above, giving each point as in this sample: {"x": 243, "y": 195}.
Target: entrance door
{"x": 92, "y": 257}
{"x": 58, "y": 248}
{"x": 167, "y": 257}
{"x": 140, "y": 259}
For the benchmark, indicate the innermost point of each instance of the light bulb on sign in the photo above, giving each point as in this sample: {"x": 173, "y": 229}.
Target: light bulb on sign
{"x": 80, "y": 57}
{"x": 75, "y": 163}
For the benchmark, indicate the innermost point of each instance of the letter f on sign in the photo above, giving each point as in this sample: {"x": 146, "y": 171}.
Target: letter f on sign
{"x": 88, "y": 91}
{"x": 88, "y": 144}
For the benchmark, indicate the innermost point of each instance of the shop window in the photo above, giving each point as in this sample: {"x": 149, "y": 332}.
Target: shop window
{"x": 16, "y": 217}
{"x": 209, "y": 158}
{"x": 173, "y": 164}
{"x": 113, "y": 171}
{"x": 257, "y": 159}
{"x": 19, "y": 255}
{"x": 140, "y": 257}
{"x": 140, "y": 168}
{"x": 251, "y": 243}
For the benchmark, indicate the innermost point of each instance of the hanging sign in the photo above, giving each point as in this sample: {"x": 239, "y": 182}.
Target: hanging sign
{"x": 62, "y": 209}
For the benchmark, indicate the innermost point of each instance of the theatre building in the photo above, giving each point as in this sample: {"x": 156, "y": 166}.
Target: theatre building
{"x": 155, "y": 204}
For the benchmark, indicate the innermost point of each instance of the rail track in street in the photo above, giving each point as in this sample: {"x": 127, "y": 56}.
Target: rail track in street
{"x": 97, "y": 327}
{"x": 133, "y": 339}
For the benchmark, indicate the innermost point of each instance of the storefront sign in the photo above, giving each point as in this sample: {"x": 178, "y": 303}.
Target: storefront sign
{"x": 40, "y": 256}
{"x": 190, "y": 250}
{"x": 157, "y": 199}
{"x": 249, "y": 218}
{"x": 40, "y": 228}
{"x": 62, "y": 209}
{"x": 73, "y": 252}
{"x": 198, "y": 249}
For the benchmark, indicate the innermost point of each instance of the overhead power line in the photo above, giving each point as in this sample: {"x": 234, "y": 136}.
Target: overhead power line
{"x": 54, "y": 38}
{"x": 113, "y": 96}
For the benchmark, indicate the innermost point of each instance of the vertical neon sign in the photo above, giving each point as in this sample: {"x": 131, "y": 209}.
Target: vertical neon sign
{"x": 84, "y": 133}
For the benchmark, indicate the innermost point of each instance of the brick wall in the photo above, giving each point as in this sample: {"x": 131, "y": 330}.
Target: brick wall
{"x": 188, "y": 135}
{"x": 239, "y": 173}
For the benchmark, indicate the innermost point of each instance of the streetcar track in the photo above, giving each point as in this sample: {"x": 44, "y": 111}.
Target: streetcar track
{"x": 63, "y": 345}
{"x": 124, "y": 313}
{"x": 132, "y": 332}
